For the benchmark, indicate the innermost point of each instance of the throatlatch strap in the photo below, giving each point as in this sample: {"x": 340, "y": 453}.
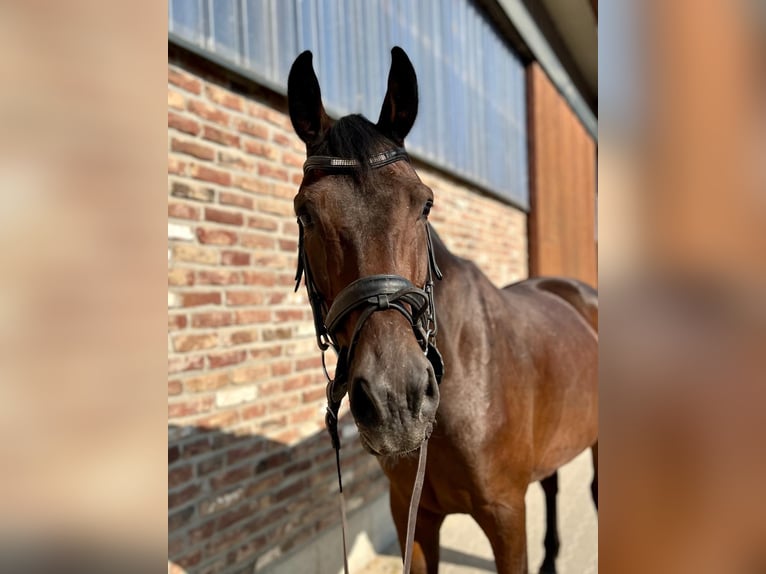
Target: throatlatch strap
{"x": 412, "y": 517}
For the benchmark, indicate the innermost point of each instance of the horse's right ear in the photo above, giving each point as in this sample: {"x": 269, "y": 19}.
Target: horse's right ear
{"x": 305, "y": 101}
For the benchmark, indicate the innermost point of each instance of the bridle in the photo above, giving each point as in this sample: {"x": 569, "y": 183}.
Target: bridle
{"x": 367, "y": 296}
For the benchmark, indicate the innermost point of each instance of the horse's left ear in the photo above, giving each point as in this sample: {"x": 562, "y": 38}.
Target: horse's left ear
{"x": 400, "y": 106}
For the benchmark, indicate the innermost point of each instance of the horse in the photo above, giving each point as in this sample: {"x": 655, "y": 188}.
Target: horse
{"x": 504, "y": 391}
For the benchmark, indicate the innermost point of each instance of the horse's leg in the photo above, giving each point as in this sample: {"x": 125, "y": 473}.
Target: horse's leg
{"x": 425, "y": 549}
{"x": 550, "y": 487}
{"x": 506, "y": 528}
{"x": 594, "y": 484}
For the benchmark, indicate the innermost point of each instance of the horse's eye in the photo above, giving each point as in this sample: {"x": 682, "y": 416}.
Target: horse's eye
{"x": 305, "y": 219}
{"x": 427, "y": 208}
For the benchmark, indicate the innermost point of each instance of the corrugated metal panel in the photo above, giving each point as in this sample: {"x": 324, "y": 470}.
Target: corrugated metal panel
{"x": 472, "y": 118}
{"x": 562, "y": 222}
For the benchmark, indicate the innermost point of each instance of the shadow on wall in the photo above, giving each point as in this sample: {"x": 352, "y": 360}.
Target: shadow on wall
{"x": 244, "y": 502}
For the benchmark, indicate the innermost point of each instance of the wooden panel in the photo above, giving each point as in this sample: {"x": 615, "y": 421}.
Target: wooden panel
{"x": 562, "y": 185}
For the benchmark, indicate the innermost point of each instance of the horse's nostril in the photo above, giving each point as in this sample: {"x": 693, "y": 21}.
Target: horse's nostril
{"x": 362, "y": 405}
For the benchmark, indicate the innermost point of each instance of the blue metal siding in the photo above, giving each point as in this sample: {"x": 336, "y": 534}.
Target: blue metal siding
{"x": 472, "y": 117}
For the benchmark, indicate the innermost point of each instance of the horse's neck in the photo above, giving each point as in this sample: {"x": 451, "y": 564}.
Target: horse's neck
{"x": 467, "y": 292}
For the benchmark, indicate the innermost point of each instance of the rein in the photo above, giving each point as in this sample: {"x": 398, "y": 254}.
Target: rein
{"x": 369, "y": 295}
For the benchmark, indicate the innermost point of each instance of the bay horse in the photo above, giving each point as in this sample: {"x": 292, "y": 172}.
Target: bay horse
{"x": 518, "y": 397}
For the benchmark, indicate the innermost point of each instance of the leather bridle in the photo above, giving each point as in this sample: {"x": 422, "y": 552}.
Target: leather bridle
{"x": 367, "y": 296}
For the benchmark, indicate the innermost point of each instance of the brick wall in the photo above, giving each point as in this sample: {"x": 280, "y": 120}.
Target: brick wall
{"x": 251, "y": 472}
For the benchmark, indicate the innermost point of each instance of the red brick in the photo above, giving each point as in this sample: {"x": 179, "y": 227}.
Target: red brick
{"x": 234, "y": 298}
{"x": 252, "y": 184}
{"x": 286, "y": 279}
{"x": 293, "y": 159}
{"x": 176, "y": 100}
{"x": 227, "y": 198}
{"x": 207, "y": 382}
{"x": 268, "y": 170}
{"x": 261, "y": 149}
{"x": 182, "y": 210}
{"x": 218, "y": 421}
{"x": 225, "y": 359}
{"x": 208, "y": 112}
{"x": 249, "y": 316}
{"x": 306, "y": 364}
{"x": 186, "y": 408}
{"x": 197, "y": 299}
{"x": 194, "y": 193}
{"x": 258, "y": 110}
{"x": 243, "y": 337}
{"x": 298, "y": 382}
{"x": 290, "y": 245}
{"x": 174, "y": 388}
{"x": 180, "y": 475}
{"x": 244, "y": 453}
{"x": 313, "y": 396}
{"x": 235, "y": 160}
{"x": 202, "y": 532}
{"x": 176, "y": 166}
{"x": 212, "y": 319}
{"x": 287, "y": 141}
{"x": 184, "y": 495}
{"x": 194, "y": 253}
{"x": 253, "y": 411}
{"x": 217, "y": 277}
{"x": 265, "y": 223}
{"x": 261, "y": 278}
{"x": 232, "y": 477}
{"x": 252, "y": 128}
{"x": 224, "y": 98}
{"x": 289, "y": 315}
{"x": 183, "y": 363}
{"x": 283, "y": 190}
{"x": 216, "y": 236}
{"x": 183, "y": 124}
{"x": 220, "y": 136}
{"x": 276, "y": 206}
{"x": 209, "y": 174}
{"x": 196, "y": 342}
{"x": 280, "y": 368}
{"x": 277, "y": 298}
{"x": 185, "y": 81}
{"x": 296, "y": 179}
{"x": 221, "y": 216}
{"x": 176, "y": 322}
{"x": 180, "y": 277}
{"x": 304, "y": 415}
{"x": 190, "y": 560}
{"x": 192, "y": 148}
{"x": 236, "y": 258}
{"x": 266, "y": 353}
{"x": 258, "y": 241}
{"x": 249, "y": 374}
{"x": 274, "y": 261}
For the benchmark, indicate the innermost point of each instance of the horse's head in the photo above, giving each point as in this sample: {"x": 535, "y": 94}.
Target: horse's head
{"x": 365, "y": 219}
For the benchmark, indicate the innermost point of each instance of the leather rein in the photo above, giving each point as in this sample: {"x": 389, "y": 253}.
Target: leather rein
{"x": 369, "y": 295}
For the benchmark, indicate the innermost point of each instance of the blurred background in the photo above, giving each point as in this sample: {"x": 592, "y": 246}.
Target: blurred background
{"x": 507, "y": 137}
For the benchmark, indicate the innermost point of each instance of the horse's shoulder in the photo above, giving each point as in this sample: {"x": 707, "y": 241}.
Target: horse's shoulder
{"x": 577, "y": 294}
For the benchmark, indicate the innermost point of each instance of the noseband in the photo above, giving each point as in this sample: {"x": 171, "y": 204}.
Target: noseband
{"x": 368, "y": 295}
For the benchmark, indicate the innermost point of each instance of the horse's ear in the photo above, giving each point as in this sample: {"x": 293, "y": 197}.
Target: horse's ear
{"x": 305, "y": 101}
{"x": 400, "y": 106}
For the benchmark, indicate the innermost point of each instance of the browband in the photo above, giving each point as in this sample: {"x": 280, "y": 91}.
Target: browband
{"x": 342, "y": 165}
